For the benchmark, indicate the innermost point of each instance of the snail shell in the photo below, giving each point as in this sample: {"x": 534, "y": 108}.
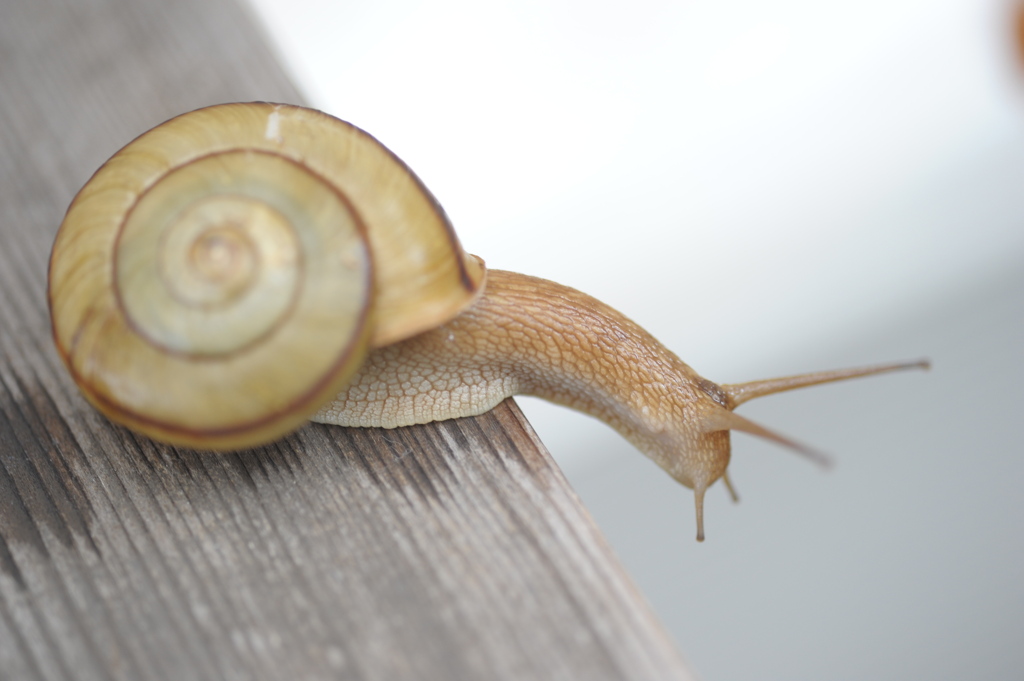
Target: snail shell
{"x": 225, "y": 273}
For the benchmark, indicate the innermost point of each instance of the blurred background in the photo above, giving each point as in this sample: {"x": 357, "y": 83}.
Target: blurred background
{"x": 770, "y": 187}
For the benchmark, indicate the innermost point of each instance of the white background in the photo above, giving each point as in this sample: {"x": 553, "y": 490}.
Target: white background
{"x": 770, "y": 187}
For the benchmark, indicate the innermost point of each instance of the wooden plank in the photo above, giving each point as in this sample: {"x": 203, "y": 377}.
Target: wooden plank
{"x": 449, "y": 551}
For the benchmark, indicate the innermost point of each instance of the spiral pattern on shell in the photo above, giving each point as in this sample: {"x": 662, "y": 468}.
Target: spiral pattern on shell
{"x": 224, "y": 274}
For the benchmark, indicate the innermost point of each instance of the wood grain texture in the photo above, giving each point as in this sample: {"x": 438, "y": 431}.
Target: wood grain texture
{"x": 446, "y": 551}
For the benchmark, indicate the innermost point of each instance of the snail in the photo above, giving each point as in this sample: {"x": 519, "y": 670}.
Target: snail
{"x": 243, "y": 268}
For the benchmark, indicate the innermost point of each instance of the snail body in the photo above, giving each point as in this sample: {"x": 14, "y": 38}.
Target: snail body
{"x": 246, "y": 267}
{"x": 530, "y": 336}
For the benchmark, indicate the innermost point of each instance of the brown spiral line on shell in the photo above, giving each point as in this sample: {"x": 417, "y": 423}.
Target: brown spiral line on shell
{"x": 302, "y": 401}
{"x": 360, "y": 225}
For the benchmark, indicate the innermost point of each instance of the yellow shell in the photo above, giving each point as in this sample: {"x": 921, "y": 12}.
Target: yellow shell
{"x": 224, "y": 274}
